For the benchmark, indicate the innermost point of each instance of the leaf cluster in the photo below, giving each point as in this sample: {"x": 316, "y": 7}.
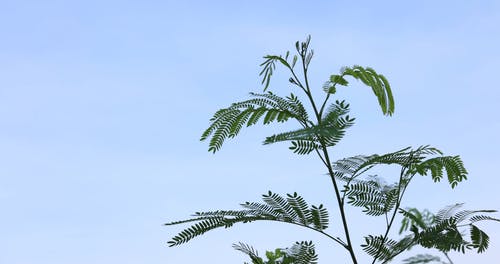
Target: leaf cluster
{"x": 292, "y": 209}
{"x": 227, "y": 123}
{"x": 300, "y": 253}
{"x": 331, "y": 122}
{"x": 384, "y": 249}
{"x": 328, "y": 133}
{"x": 378, "y": 198}
{"x": 443, "y": 231}
{"x": 419, "y": 161}
{"x": 379, "y": 84}
{"x": 446, "y": 231}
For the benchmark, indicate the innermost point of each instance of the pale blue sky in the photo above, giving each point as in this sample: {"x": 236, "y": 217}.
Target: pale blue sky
{"x": 102, "y": 104}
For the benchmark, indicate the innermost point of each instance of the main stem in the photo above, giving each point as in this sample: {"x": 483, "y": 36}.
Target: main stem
{"x": 328, "y": 164}
{"x": 340, "y": 205}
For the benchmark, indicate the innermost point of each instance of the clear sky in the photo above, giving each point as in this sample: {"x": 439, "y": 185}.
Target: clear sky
{"x": 102, "y": 104}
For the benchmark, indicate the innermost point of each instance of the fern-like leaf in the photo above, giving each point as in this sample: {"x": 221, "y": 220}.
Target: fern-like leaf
{"x": 453, "y": 166}
{"x": 227, "y": 123}
{"x": 379, "y": 84}
{"x": 351, "y": 168}
{"x": 268, "y": 67}
{"x": 303, "y": 253}
{"x": 262, "y": 209}
{"x": 376, "y": 198}
{"x": 416, "y": 161}
{"x": 478, "y": 218}
{"x": 281, "y": 206}
{"x": 250, "y": 251}
{"x": 328, "y": 133}
{"x": 386, "y": 249}
{"x": 337, "y": 120}
{"x": 301, "y": 208}
{"x": 443, "y": 236}
{"x": 366, "y": 194}
{"x": 300, "y": 253}
{"x": 319, "y": 217}
{"x": 303, "y": 147}
{"x": 480, "y": 239}
{"x": 444, "y": 231}
{"x": 375, "y": 246}
{"x": 196, "y": 230}
{"x": 292, "y": 209}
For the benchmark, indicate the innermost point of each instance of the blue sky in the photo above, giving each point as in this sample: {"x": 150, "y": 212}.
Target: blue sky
{"x": 102, "y": 104}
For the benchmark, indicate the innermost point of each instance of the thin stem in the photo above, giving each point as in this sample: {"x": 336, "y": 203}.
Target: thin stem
{"x": 397, "y": 207}
{"x": 325, "y": 157}
{"x": 308, "y": 90}
{"x": 297, "y": 80}
{"x": 398, "y": 202}
{"x": 448, "y": 257}
{"x": 386, "y": 220}
{"x": 321, "y": 157}
{"x": 324, "y": 104}
{"x": 341, "y": 206}
{"x": 326, "y": 160}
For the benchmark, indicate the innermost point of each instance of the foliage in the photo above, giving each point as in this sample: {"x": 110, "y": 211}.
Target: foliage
{"x": 293, "y": 210}
{"x": 300, "y": 253}
{"x": 445, "y": 231}
{"x": 422, "y": 258}
{"x": 321, "y": 126}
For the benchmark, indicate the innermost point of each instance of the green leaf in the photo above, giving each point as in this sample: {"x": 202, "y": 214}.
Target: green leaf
{"x": 319, "y": 217}
{"x": 338, "y": 79}
{"x": 452, "y": 165}
{"x": 250, "y": 251}
{"x": 228, "y": 122}
{"x": 293, "y": 209}
{"x": 379, "y": 84}
{"x": 303, "y": 253}
{"x": 328, "y": 133}
{"x": 301, "y": 208}
{"x": 268, "y": 67}
{"x": 375, "y": 198}
{"x": 303, "y": 147}
{"x": 480, "y": 239}
{"x": 300, "y": 253}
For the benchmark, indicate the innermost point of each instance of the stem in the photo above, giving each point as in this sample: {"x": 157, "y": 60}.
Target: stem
{"x": 341, "y": 205}
{"x": 321, "y": 157}
{"x": 326, "y": 160}
{"x": 324, "y": 104}
{"x": 325, "y": 157}
{"x": 308, "y": 91}
{"x": 448, "y": 257}
{"x": 396, "y": 207}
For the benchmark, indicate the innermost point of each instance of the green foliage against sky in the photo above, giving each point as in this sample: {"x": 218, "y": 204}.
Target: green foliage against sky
{"x": 353, "y": 186}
